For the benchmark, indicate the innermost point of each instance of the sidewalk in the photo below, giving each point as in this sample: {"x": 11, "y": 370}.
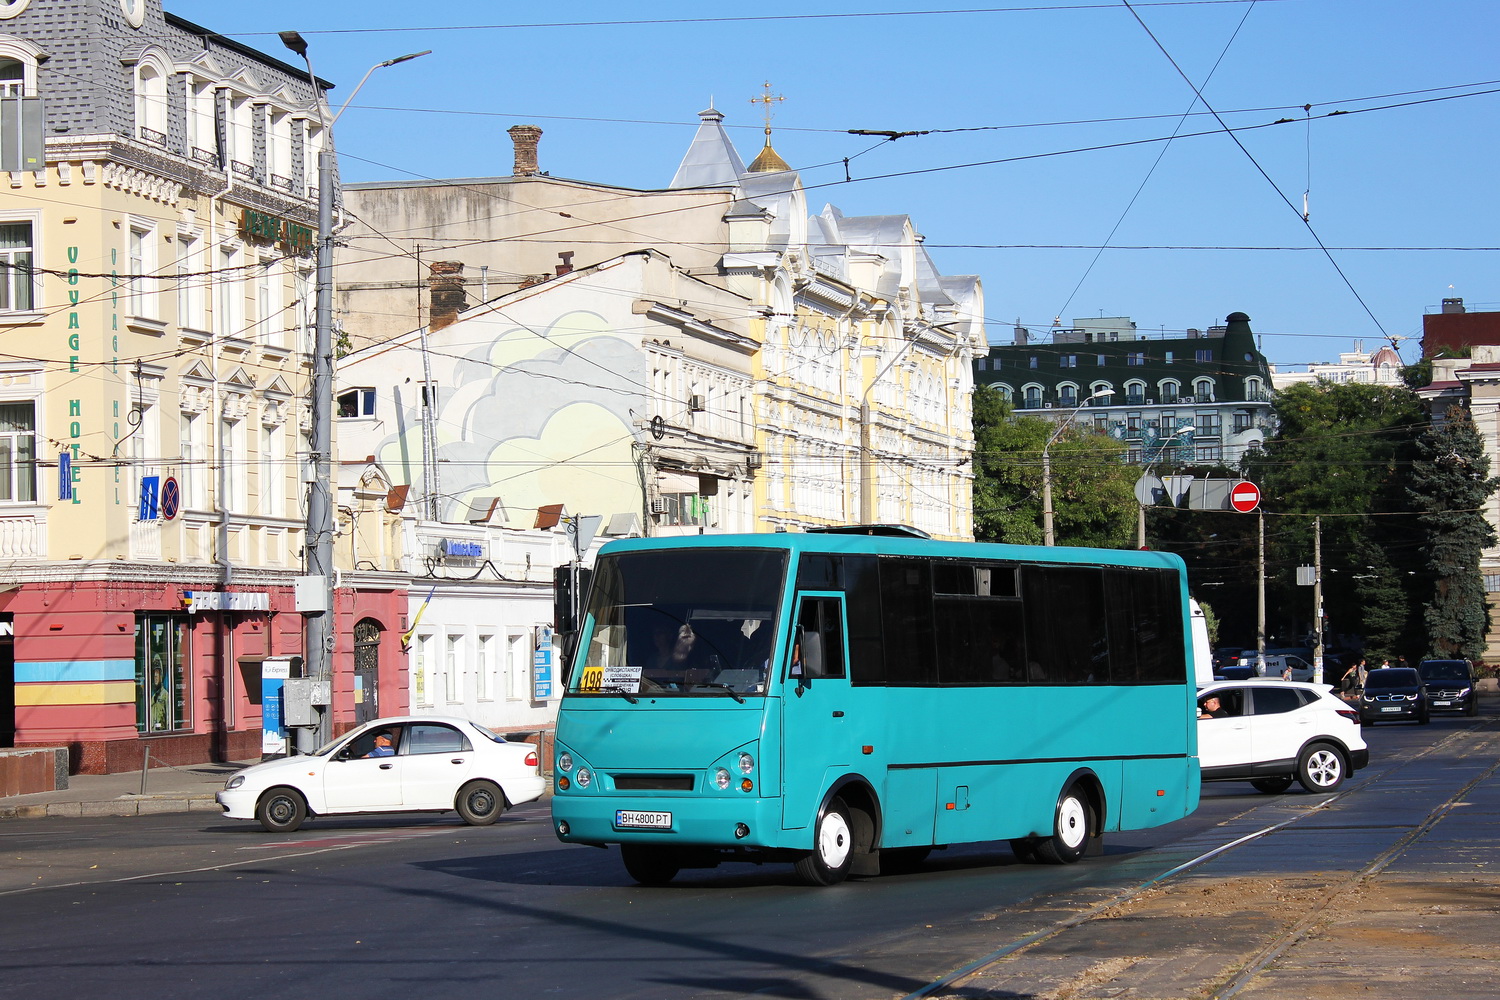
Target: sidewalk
{"x": 167, "y": 789}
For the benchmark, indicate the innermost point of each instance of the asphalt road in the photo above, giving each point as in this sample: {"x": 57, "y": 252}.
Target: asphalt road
{"x": 180, "y": 905}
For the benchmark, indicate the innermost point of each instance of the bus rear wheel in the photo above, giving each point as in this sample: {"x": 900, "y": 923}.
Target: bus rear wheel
{"x": 649, "y": 865}
{"x": 833, "y": 848}
{"x": 1072, "y": 826}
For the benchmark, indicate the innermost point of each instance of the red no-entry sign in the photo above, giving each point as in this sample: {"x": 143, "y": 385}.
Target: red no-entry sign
{"x": 1244, "y": 496}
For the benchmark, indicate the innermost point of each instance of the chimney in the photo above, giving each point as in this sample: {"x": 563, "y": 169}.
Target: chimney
{"x": 565, "y": 263}
{"x": 526, "y": 138}
{"x": 446, "y": 280}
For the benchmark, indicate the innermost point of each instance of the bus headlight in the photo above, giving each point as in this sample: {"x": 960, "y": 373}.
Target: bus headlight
{"x": 565, "y": 761}
{"x": 584, "y": 778}
{"x": 721, "y": 779}
{"x": 747, "y": 763}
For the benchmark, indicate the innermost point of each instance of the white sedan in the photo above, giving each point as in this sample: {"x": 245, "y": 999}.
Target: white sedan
{"x": 407, "y": 764}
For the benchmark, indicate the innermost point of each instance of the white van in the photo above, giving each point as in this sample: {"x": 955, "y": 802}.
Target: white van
{"x": 1277, "y": 664}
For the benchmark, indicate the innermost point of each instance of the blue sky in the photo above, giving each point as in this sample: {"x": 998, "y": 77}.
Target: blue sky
{"x": 1057, "y": 112}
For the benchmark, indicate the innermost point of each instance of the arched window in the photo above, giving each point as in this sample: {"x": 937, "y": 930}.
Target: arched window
{"x": 1170, "y": 390}
{"x": 1135, "y": 392}
{"x": 151, "y": 103}
{"x": 12, "y": 77}
{"x": 1067, "y": 394}
{"x": 1203, "y": 390}
{"x": 1255, "y": 389}
{"x": 366, "y": 670}
{"x": 1033, "y": 397}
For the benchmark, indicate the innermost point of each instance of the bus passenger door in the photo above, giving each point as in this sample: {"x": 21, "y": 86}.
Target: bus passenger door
{"x": 815, "y": 740}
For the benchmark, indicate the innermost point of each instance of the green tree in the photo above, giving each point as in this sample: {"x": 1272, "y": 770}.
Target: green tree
{"x": 1342, "y": 451}
{"x": 1450, "y": 484}
{"x": 1093, "y": 500}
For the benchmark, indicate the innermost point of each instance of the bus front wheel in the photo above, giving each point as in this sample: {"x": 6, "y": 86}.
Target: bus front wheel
{"x": 833, "y": 848}
{"x": 1072, "y": 826}
{"x": 649, "y": 865}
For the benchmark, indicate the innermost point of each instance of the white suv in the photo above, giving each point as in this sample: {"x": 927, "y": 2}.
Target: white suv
{"x": 1268, "y": 732}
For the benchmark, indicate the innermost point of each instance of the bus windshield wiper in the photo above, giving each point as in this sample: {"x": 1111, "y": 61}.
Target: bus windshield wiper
{"x": 721, "y": 687}
{"x": 622, "y": 693}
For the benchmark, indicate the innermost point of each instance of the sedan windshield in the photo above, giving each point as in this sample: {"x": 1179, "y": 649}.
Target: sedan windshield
{"x": 1392, "y": 677}
{"x": 1445, "y": 670}
{"x": 682, "y": 621}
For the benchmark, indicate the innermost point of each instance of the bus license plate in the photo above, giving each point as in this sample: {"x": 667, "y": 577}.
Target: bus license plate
{"x": 631, "y": 819}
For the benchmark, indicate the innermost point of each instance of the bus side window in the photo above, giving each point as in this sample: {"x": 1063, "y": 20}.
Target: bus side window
{"x": 821, "y": 632}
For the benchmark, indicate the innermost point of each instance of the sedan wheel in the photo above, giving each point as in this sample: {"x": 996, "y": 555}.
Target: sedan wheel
{"x": 480, "y": 803}
{"x": 281, "y": 810}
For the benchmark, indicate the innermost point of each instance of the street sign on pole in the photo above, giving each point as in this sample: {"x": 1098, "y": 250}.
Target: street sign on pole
{"x": 1244, "y": 497}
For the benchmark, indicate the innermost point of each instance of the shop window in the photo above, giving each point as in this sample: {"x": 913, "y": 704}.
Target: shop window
{"x": 161, "y": 682}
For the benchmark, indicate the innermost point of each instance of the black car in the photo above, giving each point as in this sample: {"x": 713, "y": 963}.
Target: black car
{"x": 1393, "y": 693}
{"x": 1450, "y": 686}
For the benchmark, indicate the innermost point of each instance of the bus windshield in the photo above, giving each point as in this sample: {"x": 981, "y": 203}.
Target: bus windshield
{"x": 682, "y": 622}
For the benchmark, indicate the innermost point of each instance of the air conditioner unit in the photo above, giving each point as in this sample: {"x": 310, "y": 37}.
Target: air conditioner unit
{"x": 696, "y": 404}
{"x": 1046, "y": 406}
{"x": 658, "y": 505}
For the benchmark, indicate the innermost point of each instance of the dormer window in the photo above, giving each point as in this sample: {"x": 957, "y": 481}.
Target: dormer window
{"x": 150, "y": 104}
{"x": 21, "y": 118}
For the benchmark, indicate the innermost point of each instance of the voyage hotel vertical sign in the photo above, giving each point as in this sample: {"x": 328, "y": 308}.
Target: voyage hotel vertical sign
{"x": 68, "y": 472}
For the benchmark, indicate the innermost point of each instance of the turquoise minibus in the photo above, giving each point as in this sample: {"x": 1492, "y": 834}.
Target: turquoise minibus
{"x": 848, "y": 700}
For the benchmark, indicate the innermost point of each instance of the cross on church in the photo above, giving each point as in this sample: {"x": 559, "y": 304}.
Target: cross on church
{"x": 768, "y": 101}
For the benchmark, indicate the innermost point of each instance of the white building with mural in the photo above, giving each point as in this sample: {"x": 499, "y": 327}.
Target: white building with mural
{"x": 832, "y": 384}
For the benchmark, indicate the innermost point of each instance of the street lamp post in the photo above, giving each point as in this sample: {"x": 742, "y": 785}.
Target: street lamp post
{"x": 1048, "y": 537}
{"x": 1140, "y": 532}
{"x": 319, "y": 541}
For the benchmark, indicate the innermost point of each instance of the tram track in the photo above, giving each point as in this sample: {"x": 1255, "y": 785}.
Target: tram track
{"x": 994, "y": 974}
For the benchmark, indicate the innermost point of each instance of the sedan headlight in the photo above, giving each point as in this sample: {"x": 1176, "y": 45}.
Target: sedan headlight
{"x": 1411, "y": 697}
{"x": 234, "y": 782}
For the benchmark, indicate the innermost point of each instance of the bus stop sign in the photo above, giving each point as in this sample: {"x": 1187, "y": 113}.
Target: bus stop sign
{"x": 1244, "y": 497}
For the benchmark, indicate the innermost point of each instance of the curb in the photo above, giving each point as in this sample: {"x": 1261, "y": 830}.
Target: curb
{"x": 127, "y": 805}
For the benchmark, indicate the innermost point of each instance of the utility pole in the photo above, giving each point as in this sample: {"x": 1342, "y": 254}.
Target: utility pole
{"x": 320, "y": 498}
{"x": 1049, "y": 537}
{"x": 1317, "y": 600}
{"x": 1260, "y": 613}
{"x": 318, "y": 543}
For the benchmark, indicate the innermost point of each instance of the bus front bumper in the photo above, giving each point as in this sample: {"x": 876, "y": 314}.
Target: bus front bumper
{"x": 707, "y": 822}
